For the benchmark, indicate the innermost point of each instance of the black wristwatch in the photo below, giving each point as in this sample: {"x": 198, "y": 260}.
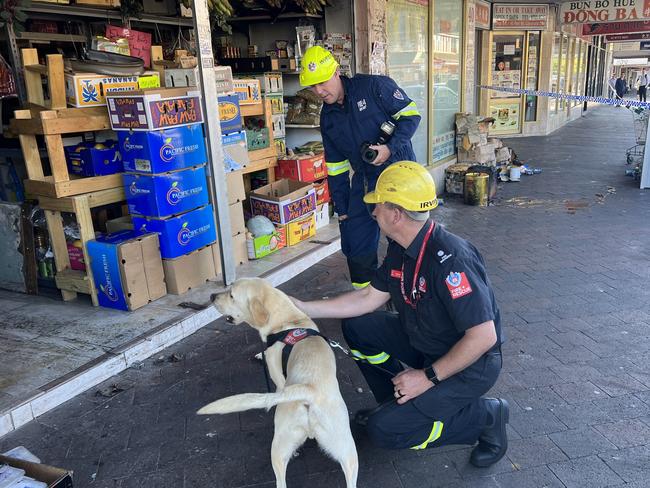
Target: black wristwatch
{"x": 431, "y": 375}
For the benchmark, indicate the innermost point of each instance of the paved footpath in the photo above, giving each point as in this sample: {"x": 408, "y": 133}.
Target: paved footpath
{"x": 568, "y": 251}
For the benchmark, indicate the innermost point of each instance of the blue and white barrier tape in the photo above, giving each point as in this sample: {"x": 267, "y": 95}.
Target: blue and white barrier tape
{"x": 566, "y": 96}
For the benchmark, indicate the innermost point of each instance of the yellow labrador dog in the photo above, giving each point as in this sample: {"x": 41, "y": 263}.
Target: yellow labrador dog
{"x": 309, "y": 403}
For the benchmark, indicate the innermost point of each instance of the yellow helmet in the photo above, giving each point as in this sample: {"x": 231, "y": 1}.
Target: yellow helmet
{"x": 318, "y": 65}
{"x": 407, "y": 184}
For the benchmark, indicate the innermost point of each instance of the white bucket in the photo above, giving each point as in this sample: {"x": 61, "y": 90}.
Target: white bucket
{"x": 515, "y": 173}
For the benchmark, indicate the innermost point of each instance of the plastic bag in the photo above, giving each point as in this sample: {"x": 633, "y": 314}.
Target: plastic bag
{"x": 7, "y": 80}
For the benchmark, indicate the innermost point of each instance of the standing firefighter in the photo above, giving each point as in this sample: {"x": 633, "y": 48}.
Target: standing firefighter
{"x": 447, "y": 329}
{"x": 367, "y": 123}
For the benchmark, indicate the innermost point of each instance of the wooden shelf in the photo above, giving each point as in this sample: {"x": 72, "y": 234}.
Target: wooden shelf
{"x": 259, "y": 164}
{"x": 251, "y": 110}
{"x": 266, "y": 18}
{"x": 46, "y": 37}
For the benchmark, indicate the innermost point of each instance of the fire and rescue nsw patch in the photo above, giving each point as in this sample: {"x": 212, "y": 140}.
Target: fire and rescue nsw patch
{"x": 296, "y": 336}
{"x": 398, "y": 94}
{"x": 458, "y": 285}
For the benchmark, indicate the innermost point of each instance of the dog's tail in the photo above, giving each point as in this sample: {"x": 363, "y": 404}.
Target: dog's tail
{"x": 248, "y": 401}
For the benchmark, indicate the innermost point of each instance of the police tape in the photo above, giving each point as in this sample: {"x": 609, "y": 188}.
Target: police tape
{"x": 565, "y": 96}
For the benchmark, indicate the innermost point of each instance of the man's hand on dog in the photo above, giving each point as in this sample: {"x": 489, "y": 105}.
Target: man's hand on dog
{"x": 410, "y": 384}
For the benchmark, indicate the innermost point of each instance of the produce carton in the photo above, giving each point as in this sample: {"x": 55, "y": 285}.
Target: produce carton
{"x": 300, "y": 230}
{"x": 261, "y": 246}
{"x": 162, "y": 150}
{"x": 248, "y": 90}
{"x": 160, "y": 108}
{"x": 229, "y": 114}
{"x": 90, "y": 89}
{"x": 166, "y": 194}
{"x": 308, "y": 168}
{"x": 127, "y": 269}
{"x": 94, "y": 158}
{"x": 181, "y": 234}
{"x": 283, "y": 201}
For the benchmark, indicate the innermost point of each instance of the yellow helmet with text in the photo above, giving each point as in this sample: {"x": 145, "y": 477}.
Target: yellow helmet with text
{"x": 317, "y": 66}
{"x": 407, "y": 184}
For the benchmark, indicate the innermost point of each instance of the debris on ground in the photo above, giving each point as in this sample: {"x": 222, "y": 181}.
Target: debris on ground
{"x": 172, "y": 358}
{"x": 573, "y": 205}
{"x": 110, "y": 391}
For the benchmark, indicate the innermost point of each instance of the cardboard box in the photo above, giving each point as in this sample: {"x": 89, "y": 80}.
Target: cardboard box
{"x": 166, "y": 194}
{"x": 278, "y": 125}
{"x": 235, "y": 151}
{"x": 283, "y": 201}
{"x": 118, "y": 224}
{"x": 261, "y": 246}
{"x": 235, "y": 186}
{"x": 90, "y": 89}
{"x": 181, "y": 77}
{"x": 248, "y": 90}
{"x": 229, "y": 114}
{"x": 322, "y": 191}
{"x": 159, "y": 7}
{"x": 127, "y": 269}
{"x": 162, "y": 150}
{"x": 271, "y": 82}
{"x": 160, "y": 108}
{"x": 192, "y": 270}
{"x": 181, "y": 234}
{"x": 322, "y": 215}
{"x": 223, "y": 79}
{"x": 240, "y": 249}
{"x": 237, "y": 222}
{"x": 301, "y": 229}
{"x": 283, "y": 64}
{"x": 309, "y": 168}
{"x": 277, "y": 104}
{"x": 94, "y": 158}
{"x": 455, "y": 178}
{"x": 257, "y": 139}
{"x": 478, "y": 155}
{"x": 280, "y": 147}
{"x": 53, "y": 477}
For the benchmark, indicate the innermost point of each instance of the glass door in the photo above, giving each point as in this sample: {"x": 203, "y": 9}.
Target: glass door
{"x": 507, "y": 72}
{"x": 407, "y": 26}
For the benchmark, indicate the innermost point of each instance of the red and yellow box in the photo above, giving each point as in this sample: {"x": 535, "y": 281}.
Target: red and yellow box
{"x": 322, "y": 191}
{"x": 307, "y": 169}
{"x": 300, "y": 230}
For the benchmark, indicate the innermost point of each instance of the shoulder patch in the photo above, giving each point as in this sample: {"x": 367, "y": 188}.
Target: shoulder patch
{"x": 398, "y": 94}
{"x": 458, "y": 285}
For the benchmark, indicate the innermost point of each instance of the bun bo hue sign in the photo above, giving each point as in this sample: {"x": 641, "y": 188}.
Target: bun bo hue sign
{"x": 604, "y": 11}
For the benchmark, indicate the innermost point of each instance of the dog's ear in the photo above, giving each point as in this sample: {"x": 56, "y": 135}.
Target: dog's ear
{"x": 259, "y": 312}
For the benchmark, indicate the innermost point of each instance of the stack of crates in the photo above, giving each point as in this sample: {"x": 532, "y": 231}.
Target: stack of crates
{"x": 166, "y": 189}
{"x": 273, "y": 90}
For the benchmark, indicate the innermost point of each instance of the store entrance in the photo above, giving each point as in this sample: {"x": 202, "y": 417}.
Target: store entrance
{"x": 506, "y": 71}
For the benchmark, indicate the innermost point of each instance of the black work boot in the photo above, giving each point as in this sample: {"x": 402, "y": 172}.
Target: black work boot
{"x": 493, "y": 441}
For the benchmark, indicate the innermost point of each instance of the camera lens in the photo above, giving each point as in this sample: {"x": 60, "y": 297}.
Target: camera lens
{"x": 369, "y": 155}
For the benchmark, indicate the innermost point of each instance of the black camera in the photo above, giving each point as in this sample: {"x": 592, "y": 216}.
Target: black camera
{"x": 368, "y": 155}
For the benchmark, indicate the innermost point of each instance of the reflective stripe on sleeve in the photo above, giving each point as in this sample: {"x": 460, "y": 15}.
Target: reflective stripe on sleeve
{"x": 436, "y": 431}
{"x": 382, "y": 357}
{"x": 359, "y": 286}
{"x": 408, "y": 111}
{"x": 338, "y": 168}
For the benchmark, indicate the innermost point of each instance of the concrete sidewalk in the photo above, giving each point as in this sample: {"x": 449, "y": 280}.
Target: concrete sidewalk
{"x": 568, "y": 253}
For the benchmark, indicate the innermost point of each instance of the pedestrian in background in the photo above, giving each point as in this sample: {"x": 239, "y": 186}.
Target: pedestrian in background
{"x": 620, "y": 88}
{"x": 643, "y": 83}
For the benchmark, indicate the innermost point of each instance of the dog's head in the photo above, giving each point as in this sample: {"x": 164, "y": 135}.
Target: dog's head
{"x": 245, "y": 301}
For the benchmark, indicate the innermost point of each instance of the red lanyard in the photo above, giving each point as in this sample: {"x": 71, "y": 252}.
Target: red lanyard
{"x": 415, "y": 296}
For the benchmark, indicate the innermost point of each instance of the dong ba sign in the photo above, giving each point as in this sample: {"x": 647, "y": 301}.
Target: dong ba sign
{"x": 604, "y": 11}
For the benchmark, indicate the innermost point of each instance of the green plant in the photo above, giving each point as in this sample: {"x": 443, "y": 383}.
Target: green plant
{"x": 12, "y": 14}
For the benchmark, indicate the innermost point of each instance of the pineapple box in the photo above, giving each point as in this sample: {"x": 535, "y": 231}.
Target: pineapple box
{"x": 90, "y": 89}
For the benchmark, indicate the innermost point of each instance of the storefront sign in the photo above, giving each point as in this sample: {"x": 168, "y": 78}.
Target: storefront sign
{"x": 645, "y": 45}
{"x": 630, "y": 62}
{"x": 506, "y": 16}
{"x": 615, "y": 27}
{"x": 603, "y": 11}
{"x": 627, "y": 37}
{"x": 506, "y": 117}
{"x": 482, "y": 15}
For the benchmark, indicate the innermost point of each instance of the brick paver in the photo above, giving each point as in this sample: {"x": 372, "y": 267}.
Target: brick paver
{"x": 568, "y": 252}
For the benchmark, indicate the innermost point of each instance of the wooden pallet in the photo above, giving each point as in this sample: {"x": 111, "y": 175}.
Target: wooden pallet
{"x": 70, "y": 281}
{"x": 51, "y": 119}
{"x": 262, "y": 158}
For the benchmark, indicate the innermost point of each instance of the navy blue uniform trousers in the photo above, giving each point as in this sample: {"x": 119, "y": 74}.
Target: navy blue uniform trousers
{"x": 450, "y": 413}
